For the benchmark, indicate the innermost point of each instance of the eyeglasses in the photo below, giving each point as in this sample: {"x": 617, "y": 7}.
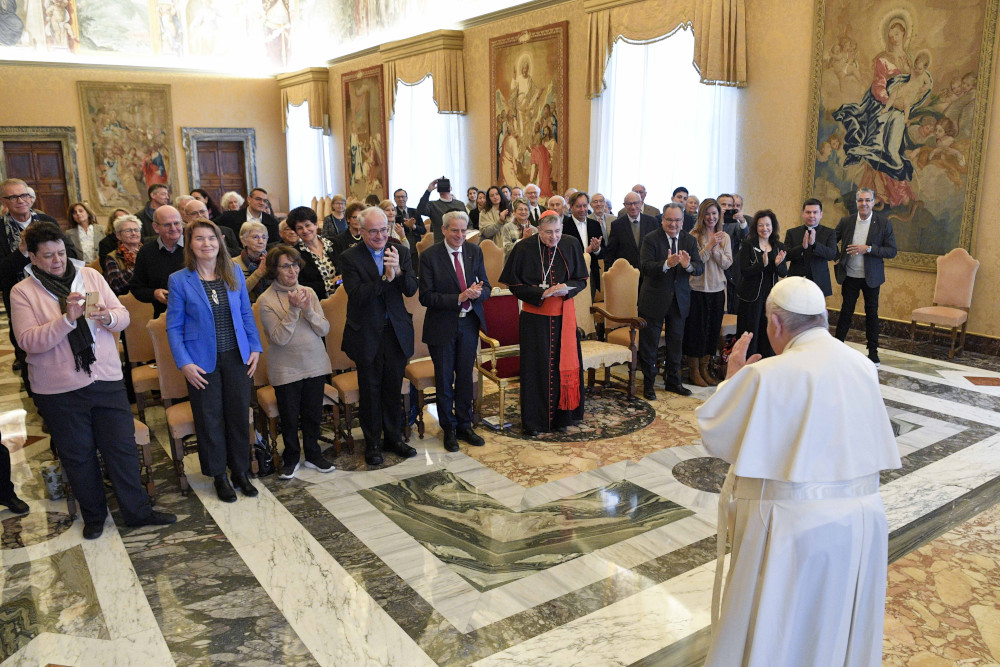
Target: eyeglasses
{"x": 24, "y": 196}
{"x": 376, "y": 232}
{"x": 130, "y": 230}
{"x": 261, "y": 200}
{"x": 288, "y": 267}
{"x": 258, "y": 237}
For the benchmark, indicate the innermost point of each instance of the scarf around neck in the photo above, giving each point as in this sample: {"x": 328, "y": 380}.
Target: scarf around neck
{"x": 81, "y": 341}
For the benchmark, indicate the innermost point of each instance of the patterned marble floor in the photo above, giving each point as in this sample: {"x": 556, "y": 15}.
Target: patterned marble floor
{"x": 523, "y": 552}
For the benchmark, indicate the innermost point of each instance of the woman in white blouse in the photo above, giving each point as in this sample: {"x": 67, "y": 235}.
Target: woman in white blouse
{"x": 84, "y": 231}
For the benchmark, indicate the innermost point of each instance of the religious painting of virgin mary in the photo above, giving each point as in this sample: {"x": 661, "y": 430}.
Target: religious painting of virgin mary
{"x": 528, "y": 106}
{"x": 900, "y": 108}
{"x": 365, "y": 161}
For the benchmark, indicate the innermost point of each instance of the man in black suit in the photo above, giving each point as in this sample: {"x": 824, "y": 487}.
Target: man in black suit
{"x": 811, "y": 247}
{"x": 866, "y": 240}
{"x": 680, "y": 195}
{"x": 628, "y": 231}
{"x": 453, "y": 287}
{"x": 531, "y": 193}
{"x": 256, "y": 210}
{"x": 669, "y": 258}
{"x": 586, "y": 231}
{"x": 378, "y": 333}
{"x": 410, "y": 219}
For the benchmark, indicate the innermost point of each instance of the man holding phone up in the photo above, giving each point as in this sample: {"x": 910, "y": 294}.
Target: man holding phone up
{"x": 453, "y": 287}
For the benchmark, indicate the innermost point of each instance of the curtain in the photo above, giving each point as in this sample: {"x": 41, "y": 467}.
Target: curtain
{"x": 425, "y": 144}
{"x": 656, "y": 124}
{"x": 309, "y": 158}
{"x": 308, "y": 85}
{"x": 438, "y": 54}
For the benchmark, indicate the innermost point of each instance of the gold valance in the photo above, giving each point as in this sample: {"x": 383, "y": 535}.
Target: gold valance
{"x": 437, "y": 53}
{"x": 309, "y": 85}
{"x": 719, "y": 33}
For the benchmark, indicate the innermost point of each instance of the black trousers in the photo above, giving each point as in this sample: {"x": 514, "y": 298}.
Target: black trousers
{"x": 649, "y": 339}
{"x": 704, "y": 323}
{"x": 379, "y": 382}
{"x": 222, "y": 416}
{"x": 6, "y": 486}
{"x": 453, "y": 364}
{"x": 83, "y": 422}
{"x": 300, "y": 402}
{"x": 850, "y": 290}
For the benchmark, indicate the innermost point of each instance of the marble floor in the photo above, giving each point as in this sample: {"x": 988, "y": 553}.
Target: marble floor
{"x": 596, "y": 548}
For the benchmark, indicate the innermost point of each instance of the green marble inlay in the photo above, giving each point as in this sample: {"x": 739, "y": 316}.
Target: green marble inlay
{"x": 489, "y": 544}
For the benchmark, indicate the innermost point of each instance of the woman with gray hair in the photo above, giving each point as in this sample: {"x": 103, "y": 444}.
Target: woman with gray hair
{"x": 253, "y": 237}
{"x": 232, "y": 201}
{"x": 119, "y": 264}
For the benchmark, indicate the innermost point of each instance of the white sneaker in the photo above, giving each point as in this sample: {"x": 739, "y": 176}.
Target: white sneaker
{"x": 320, "y": 464}
{"x": 288, "y": 472}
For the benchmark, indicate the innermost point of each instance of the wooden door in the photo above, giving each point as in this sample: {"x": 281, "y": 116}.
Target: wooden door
{"x": 222, "y": 167}
{"x": 40, "y": 165}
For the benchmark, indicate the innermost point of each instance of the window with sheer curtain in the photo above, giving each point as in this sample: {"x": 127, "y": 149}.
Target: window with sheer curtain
{"x": 309, "y": 160}
{"x": 425, "y": 144}
{"x": 656, "y": 124}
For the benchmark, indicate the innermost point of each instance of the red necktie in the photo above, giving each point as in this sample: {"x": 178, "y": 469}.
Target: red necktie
{"x": 467, "y": 304}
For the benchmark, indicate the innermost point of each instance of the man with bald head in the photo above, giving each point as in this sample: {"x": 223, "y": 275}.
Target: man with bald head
{"x": 158, "y": 258}
{"x": 640, "y": 190}
{"x": 627, "y": 232}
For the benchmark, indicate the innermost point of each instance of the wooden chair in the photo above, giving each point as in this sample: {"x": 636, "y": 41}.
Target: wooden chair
{"x": 420, "y": 369}
{"x": 344, "y": 383}
{"x": 425, "y": 242}
{"x": 601, "y": 354}
{"x": 173, "y": 390}
{"x": 493, "y": 261}
{"x": 956, "y": 278}
{"x": 314, "y": 205}
{"x": 263, "y": 400}
{"x": 620, "y": 285}
{"x": 139, "y": 352}
{"x": 500, "y": 353}
{"x": 142, "y": 440}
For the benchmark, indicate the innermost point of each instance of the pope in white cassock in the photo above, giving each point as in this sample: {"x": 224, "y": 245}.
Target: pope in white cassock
{"x": 806, "y": 434}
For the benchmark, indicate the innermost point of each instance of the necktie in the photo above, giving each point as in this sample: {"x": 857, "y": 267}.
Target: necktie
{"x": 673, "y": 245}
{"x": 466, "y": 305}
{"x": 635, "y": 231}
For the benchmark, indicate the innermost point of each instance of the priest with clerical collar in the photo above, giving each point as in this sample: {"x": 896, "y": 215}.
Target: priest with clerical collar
{"x": 806, "y": 434}
{"x": 544, "y": 272}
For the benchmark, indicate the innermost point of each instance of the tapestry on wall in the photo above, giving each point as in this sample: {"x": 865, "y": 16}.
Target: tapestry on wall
{"x": 365, "y": 150}
{"x": 528, "y": 108}
{"x": 127, "y": 135}
{"x": 899, "y": 106}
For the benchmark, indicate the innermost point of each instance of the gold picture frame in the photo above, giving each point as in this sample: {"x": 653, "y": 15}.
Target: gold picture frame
{"x": 900, "y": 106}
{"x": 128, "y": 138}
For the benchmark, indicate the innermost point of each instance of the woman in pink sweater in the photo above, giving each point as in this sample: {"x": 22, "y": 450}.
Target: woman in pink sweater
{"x": 76, "y": 376}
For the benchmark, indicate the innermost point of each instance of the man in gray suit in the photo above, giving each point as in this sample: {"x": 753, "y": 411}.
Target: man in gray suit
{"x": 668, "y": 258}
{"x": 866, "y": 240}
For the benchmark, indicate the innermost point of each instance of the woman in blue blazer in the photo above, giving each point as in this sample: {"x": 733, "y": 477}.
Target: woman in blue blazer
{"x": 214, "y": 340}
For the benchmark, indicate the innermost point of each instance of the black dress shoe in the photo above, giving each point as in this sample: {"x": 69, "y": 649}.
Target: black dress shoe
{"x": 468, "y": 435}
{"x": 91, "y": 531}
{"x": 243, "y": 483}
{"x": 402, "y": 449}
{"x": 649, "y": 394}
{"x": 15, "y": 504}
{"x": 529, "y": 432}
{"x": 678, "y": 389}
{"x": 450, "y": 441}
{"x": 224, "y": 489}
{"x": 155, "y": 519}
{"x": 373, "y": 458}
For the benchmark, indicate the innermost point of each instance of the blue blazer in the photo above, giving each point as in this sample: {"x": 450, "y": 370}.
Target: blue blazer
{"x": 191, "y": 326}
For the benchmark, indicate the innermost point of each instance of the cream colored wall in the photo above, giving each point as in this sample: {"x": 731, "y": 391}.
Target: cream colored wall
{"x": 47, "y": 95}
{"x": 771, "y": 156}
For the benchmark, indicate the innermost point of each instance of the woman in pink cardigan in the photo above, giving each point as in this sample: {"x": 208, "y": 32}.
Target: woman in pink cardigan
{"x": 76, "y": 376}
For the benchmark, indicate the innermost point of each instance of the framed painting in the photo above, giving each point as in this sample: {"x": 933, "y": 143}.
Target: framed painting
{"x": 528, "y": 79}
{"x": 899, "y": 105}
{"x": 128, "y": 142}
{"x": 365, "y": 152}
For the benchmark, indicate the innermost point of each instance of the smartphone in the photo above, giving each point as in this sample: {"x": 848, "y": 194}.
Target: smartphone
{"x": 89, "y": 304}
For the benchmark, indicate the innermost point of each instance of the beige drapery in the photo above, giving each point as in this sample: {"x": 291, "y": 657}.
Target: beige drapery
{"x": 719, "y": 34}
{"x": 309, "y": 85}
{"x": 439, "y": 54}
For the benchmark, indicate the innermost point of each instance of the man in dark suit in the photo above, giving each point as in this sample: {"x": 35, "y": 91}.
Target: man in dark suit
{"x": 811, "y": 247}
{"x": 866, "y": 240}
{"x": 628, "y": 231}
{"x": 531, "y": 193}
{"x": 669, "y": 258}
{"x": 255, "y": 210}
{"x": 412, "y": 222}
{"x": 378, "y": 333}
{"x": 586, "y": 231}
{"x": 680, "y": 195}
{"x": 453, "y": 287}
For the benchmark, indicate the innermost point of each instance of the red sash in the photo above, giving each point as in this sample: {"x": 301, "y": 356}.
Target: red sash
{"x": 569, "y": 362}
